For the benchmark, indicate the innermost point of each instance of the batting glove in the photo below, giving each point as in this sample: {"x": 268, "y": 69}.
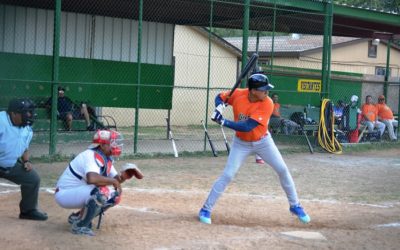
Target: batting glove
{"x": 220, "y": 109}
{"x": 218, "y": 118}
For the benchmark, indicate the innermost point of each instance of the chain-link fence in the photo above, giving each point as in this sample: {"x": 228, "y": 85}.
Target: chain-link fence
{"x": 147, "y": 67}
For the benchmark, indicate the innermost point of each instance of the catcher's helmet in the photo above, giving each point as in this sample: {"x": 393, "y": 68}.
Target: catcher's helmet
{"x": 25, "y": 107}
{"x": 260, "y": 82}
{"x": 111, "y": 137}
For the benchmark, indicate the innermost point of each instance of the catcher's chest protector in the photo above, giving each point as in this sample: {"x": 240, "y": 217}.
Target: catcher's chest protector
{"x": 103, "y": 162}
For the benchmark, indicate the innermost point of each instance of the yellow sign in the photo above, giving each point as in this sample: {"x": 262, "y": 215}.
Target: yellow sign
{"x": 309, "y": 85}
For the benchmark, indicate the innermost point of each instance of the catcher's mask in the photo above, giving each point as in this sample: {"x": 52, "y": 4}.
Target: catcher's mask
{"x": 110, "y": 137}
{"x": 25, "y": 107}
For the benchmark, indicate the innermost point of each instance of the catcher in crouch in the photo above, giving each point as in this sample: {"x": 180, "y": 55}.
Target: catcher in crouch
{"x": 85, "y": 183}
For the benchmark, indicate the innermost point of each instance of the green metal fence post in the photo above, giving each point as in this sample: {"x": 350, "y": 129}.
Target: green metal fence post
{"x": 208, "y": 69}
{"x": 398, "y": 111}
{"x": 139, "y": 55}
{"x": 327, "y": 45}
{"x": 55, "y": 78}
{"x": 246, "y": 17}
{"x": 273, "y": 41}
{"x": 257, "y": 41}
{"x": 385, "y": 85}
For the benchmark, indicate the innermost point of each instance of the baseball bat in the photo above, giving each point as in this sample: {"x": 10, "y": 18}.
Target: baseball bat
{"x": 252, "y": 61}
{"x": 310, "y": 147}
{"x": 228, "y": 148}
{"x": 214, "y": 151}
{"x": 361, "y": 134}
{"x": 173, "y": 144}
{"x": 171, "y": 137}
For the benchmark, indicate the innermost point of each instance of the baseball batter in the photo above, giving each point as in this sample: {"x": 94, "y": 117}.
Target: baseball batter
{"x": 91, "y": 183}
{"x": 252, "y": 110}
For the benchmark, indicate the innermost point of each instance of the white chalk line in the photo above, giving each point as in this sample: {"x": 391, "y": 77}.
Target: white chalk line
{"x": 373, "y": 205}
{"x": 15, "y": 188}
{"x": 139, "y": 209}
{"x": 264, "y": 197}
{"x": 9, "y": 191}
{"x": 394, "y": 224}
{"x": 194, "y": 192}
{"x": 8, "y": 185}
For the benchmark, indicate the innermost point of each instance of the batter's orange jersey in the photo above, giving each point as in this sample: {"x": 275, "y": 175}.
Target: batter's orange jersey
{"x": 384, "y": 112}
{"x": 243, "y": 109}
{"x": 370, "y": 111}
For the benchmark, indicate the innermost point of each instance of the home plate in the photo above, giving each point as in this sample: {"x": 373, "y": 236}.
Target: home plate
{"x": 305, "y": 235}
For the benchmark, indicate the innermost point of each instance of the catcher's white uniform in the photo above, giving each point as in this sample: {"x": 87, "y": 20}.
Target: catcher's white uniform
{"x": 72, "y": 188}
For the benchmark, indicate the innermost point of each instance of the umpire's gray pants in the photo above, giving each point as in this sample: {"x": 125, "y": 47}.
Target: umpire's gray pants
{"x": 30, "y": 183}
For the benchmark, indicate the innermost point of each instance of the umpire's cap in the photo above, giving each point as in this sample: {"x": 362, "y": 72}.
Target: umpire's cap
{"x": 259, "y": 82}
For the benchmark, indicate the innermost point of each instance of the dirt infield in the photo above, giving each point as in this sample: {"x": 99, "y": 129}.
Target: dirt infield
{"x": 353, "y": 200}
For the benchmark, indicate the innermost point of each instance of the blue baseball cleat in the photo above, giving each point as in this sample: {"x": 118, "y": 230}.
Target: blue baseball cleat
{"x": 299, "y": 212}
{"x": 205, "y": 216}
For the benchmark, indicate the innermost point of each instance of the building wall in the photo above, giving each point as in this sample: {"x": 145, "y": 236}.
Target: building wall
{"x": 350, "y": 58}
{"x": 354, "y": 58}
{"x": 191, "y": 50}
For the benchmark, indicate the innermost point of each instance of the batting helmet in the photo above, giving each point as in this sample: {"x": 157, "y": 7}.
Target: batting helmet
{"x": 25, "y": 107}
{"x": 260, "y": 82}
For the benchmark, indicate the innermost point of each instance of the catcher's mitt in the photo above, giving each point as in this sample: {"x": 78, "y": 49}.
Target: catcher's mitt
{"x": 129, "y": 170}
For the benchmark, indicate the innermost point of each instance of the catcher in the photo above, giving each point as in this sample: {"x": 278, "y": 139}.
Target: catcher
{"x": 91, "y": 183}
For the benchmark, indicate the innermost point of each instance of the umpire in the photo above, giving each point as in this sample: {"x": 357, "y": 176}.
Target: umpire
{"x": 15, "y": 137}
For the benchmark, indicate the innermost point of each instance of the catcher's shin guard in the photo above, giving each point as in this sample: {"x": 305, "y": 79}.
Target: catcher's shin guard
{"x": 93, "y": 207}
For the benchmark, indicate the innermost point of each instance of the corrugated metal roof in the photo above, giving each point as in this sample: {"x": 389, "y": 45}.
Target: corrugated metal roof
{"x": 293, "y": 16}
{"x": 293, "y": 43}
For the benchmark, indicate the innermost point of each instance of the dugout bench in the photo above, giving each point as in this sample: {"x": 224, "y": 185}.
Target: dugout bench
{"x": 42, "y": 120}
{"x": 307, "y": 117}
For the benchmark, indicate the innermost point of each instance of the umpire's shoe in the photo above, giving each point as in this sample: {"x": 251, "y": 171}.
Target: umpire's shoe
{"x": 33, "y": 215}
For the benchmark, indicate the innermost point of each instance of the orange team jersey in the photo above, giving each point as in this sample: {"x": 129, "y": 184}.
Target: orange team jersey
{"x": 370, "y": 111}
{"x": 276, "y": 111}
{"x": 384, "y": 112}
{"x": 243, "y": 109}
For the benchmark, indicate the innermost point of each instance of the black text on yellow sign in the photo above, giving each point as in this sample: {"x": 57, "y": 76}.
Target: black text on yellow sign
{"x": 309, "y": 85}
